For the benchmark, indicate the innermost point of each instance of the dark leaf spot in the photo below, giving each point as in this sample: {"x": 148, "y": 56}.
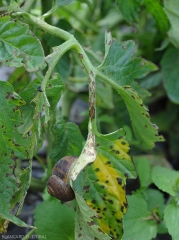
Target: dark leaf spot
{"x": 91, "y": 223}
{"x": 119, "y": 180}
{"x": 86, "y": 188}
{"x": 126, "y": 175}
{"x": 39, "y": 89}
{"x": 80, "y": 55}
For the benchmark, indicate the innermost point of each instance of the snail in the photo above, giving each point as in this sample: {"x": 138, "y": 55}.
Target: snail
{"x": 59, "y": 183}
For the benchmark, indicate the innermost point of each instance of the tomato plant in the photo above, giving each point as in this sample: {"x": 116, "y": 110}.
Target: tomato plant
{"x": 67, "y": 50}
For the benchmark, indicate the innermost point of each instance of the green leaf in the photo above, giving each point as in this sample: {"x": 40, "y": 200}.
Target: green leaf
{"x": 152, "y": 81}
{"x": 156, "y": 9}
{"x": 102, "y": 183}
{"x": 170, "y": 73}
{"x": 138, "y": 222}
{"x": 120, "y": 65}
{"x": 85, "y": 227}
{"x": 144, "y": 170}
{"x": 165, "y": 179}
{"x": 54, "y": 90}
{"x": 171, "y": 9}
{"x": 10, "y": 151}
{"x": 19, "y": 47}
{"x": 130, "y": 9}
{"x": 145, "y": 132}
{"x": 19, "y": 79}
{"x": 155, "y": 200}
{"x": 119, "y": 69}
{"x": 141, "y": 91}
{"x": 55, "y": 220}
{"x": 68, "y": 140}
{"x": 171, "y": 216}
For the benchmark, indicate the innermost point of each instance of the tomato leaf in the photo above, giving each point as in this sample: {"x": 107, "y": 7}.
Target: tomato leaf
{"x": 102, "y": 183}
{"x": 139, "y": 220}
{"x": 19, "y": 47}
{"x": 120, "y": 69}
{"x": 10, "y": 152}
{"x": 58, "y": 223}
{"x": 170, "y": 215}
{"x": 130, "y": 9}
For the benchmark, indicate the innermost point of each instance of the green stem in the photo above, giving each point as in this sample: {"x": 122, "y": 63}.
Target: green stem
{"x": 55, "y": 56}
{"x": 107, "y": 80}
{"x": 39, "y": 76}
{"x": 71, "y": 42}
{"x": 45, "y": 26}
{"x": 61, "y": 34}
{"x": 29, "y": 234}
{"x": 78, "y": 79}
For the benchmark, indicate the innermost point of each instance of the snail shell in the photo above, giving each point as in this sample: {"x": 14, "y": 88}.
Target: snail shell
{"x": 58, "y": 184}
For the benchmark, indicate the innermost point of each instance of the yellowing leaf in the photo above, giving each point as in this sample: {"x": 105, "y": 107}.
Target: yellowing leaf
{"x": 102, "y": 183}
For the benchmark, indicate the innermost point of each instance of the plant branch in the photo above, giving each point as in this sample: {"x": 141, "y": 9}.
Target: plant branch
{"x": 54, "y": 58}
{"x": 29, "y": 234}
{"x": 61, "y": 34}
